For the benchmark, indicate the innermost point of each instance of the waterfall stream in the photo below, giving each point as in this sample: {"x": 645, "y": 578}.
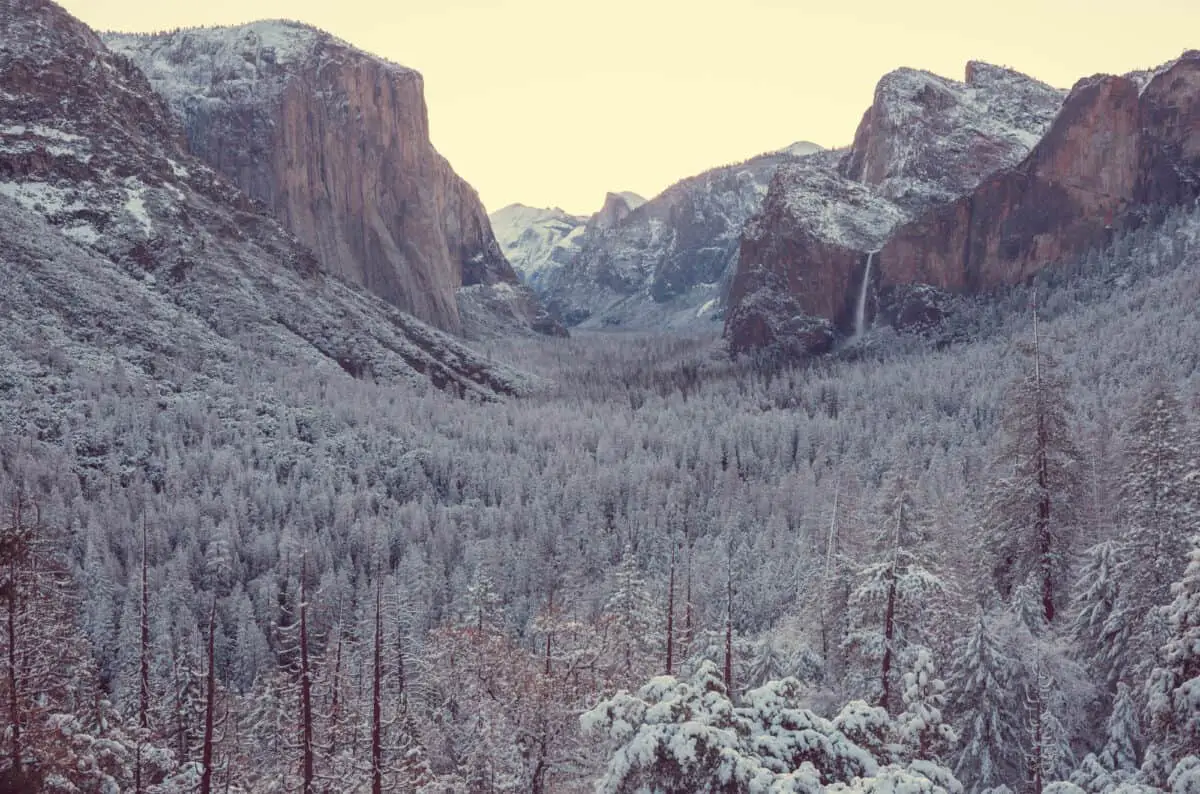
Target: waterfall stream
{"x": 860, "y": 311}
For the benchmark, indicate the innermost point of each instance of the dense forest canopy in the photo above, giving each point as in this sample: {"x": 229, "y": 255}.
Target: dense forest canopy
{"x": 953, "y": 563}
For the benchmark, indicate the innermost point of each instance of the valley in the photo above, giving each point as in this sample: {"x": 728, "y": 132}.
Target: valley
{"x": 868, "y": 469}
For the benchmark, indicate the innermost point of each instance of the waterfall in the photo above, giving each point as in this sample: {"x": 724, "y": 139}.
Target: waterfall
{"x": 860, "y": 311}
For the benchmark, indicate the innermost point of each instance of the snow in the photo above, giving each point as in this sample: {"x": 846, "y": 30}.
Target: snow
{"x": 45, "y": 198}
{"x": 215, "y": 64}
{"x": 41, "y": 131}
{"x": 632, "y": 200}
{"x": 135, "y": 205}
{"x": 83, "y": 233}
{"x": 927, "y": 129}
{"x": 836, "y": 209}
{"x": 535, "y": 240}
{"x": 802, "y": 149}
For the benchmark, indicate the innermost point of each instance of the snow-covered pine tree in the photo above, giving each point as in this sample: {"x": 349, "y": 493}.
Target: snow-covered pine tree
{"x": 1159, "y": 507}
{"x": 1117, "y": 762}
{"x": 924, "y": 733}
{"x": 1049, "y": 756}
{"x": 892, "y": 595}
{"x": 985, "y": 703}
{"x": 631, "y": 614}
{"x": 1101, "y": 628}
{"x": 1036, "y": 485}
{"x": 1173, "y": 690}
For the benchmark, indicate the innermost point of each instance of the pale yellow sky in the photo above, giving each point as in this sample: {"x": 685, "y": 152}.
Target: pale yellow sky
{"x": 555, "y": 103}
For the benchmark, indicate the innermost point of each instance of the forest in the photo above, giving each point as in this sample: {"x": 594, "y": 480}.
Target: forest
{"x": 962, "y": 562}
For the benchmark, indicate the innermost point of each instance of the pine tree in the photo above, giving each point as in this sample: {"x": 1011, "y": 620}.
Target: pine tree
{"x": 985, "y": 701}
{"x": 922, "y": 728}
{"x": 1101, "y": 627}
{"x": 630, "y": 612}
{"x": 893, "y": 593}
{"x": 1159, "y": 507}
{"x": 1050, "y": 757}
{"x": 1120, "y": 752}
{"x": 1173, "y": 690}
{"x": 1036, "y": 487}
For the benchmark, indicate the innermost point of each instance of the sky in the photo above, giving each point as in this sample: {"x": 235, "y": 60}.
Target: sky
{"x": 556, "y": 103}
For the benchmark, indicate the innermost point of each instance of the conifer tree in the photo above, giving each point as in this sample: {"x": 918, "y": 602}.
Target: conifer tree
{"x": 1101, "y": 626}
{"x": 923, "y": 730}
{"x": 1030, "y": 523}
{"x": 1173, "y": 689}
{"x": 986, "y": 704}
{"x": 1159, "y": 507}
{"x": 893, "y": 593}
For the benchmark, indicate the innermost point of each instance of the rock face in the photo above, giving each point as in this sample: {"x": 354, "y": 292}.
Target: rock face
{"x": 924, "y": 141}
{"x": 811, "y": 214}
{"x": 1116, "y": 155}
{"x": 116, "y": 243}
{"x": 645, "y": 264}
{"x": 335, "y": 143}
{"x": 536, "y": 240}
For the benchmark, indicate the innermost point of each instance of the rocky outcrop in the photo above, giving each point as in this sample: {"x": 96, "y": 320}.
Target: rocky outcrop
{"x": 1117, "y": 153}
{"x": 812, "y": 214}
{"x": 335, "y": 143}
{"x": 119, "y": 245}
{"x": 924, "y": 141}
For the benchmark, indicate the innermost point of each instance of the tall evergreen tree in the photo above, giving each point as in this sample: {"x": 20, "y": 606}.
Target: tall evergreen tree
{"x": 1030, "y": 521}
{"x": 985, "y": 703}
{"x": 1159, "y": 507}
{"x": 1101, "y": 626}
{"x": 1173, "y": 690}
{"x": 893, "y": 593}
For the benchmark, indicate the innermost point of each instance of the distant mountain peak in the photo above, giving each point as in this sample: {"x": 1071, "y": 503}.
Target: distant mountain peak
{"x": 802, "y": 149}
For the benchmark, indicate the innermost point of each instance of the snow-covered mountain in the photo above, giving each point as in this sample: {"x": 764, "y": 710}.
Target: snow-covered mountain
{"x": 119, "y": 248}
{"x": 635, "y": 263}
{"x": 335, "y": 142}
{"x": 537, "y": 240}
{"x": 925, "y": 141}
{"x": 995, "y": 179}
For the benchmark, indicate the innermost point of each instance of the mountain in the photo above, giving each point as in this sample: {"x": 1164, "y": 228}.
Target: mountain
{"x": 643, "y": 264}
{"x": 121, "y": 249}
{"x": 925, "y": 141}
{"x": 537, "y": 240}
{"x": 335, "y": 142}
{"x": 1122, "y": 150}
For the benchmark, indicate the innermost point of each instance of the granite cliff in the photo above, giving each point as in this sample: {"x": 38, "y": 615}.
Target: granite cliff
{"x": 925, "y": 141}
{"x": 117, "y": 245}
{"x": 335, "y": 142}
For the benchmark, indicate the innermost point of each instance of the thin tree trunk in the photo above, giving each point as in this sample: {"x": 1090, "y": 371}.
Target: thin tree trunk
{"x": 206, "y": 755}
{"x": 889, "y": 616}
{"x": 306, "y": 716}
{"x": 688, "y": 611}
{"x": 335, "y": 702}
{"x": 671, "y": 612}
{"x": 889, "y": 631}
{"x": 1045, "y": 545}
{"x": 143, "y": 665}
{"x": 377, "y": 702}
{"x": 729, "y": 623}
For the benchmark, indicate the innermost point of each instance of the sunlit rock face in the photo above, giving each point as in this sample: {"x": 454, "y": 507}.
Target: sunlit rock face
{"x": 117, "y": 244}
{"x": 335, "y": 142}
